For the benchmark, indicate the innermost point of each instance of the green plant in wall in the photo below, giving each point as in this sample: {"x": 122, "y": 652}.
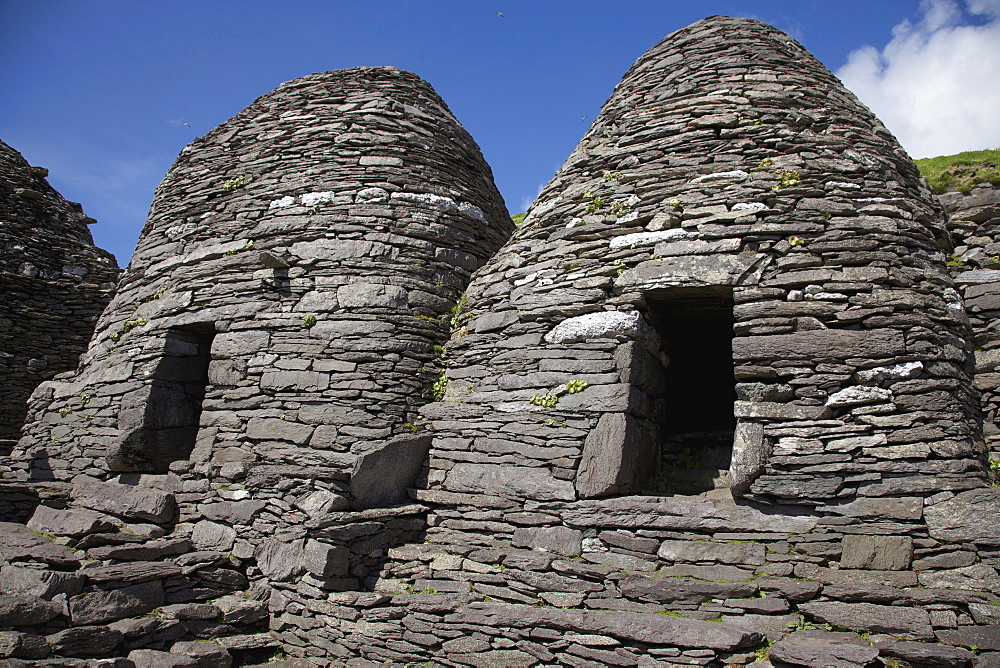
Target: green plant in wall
{"x": 544, "y": 400}
{"x": 440, "y": 386}
{"x": 595, "y": 202}
{"x": 456, "y": 310}
{"x": 688, "y": 460}
{"x": 574, "y": 386}
{"x": 796, "y": 241}
{"x": 619, "y": 207}
{"x": 128, "y": 326}
{"x": 247, "y": 246}
{"x": 232, "y": 184}
{"x": 308, "y": 321}
{"x": 313, "y": 210}
{"x": 763, "y": 164}
{"x": 612, "y": 176}
{"x": 786, "y": 178}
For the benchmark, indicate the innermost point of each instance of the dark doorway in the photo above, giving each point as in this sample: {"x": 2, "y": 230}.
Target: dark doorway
{"x": 697, "y": 423}
{"x": 170, "y": 407}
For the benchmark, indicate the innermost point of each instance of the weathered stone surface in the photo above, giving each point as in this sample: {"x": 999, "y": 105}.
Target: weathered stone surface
{"x": 984, "y": 637}
{"x": 922, "y": 653}
{"x": 819, "y": 648}
{"x": 280, "y": 561}
{"x": 131, "y": 572}
{"x": 726, "y": 553}
{"x": 834, "y": 344}
{"x": 84, "y": 641}
{"x": 601, "y": 325}
{"x": 210, "y": 653}
{"x": 625, "y": 625}
{"x": 381, "y": 476}
{"x": 508, "y": 481}
{"x": 967, "y": 517}
{"x": 26, "y": 611}
{"x": 679, "y": 590}
{"x": 19, "y": 544}
{"x": 882, "y": 553}
{"x": 906, "y": 622}
{"x": 213, "y": 536}
{"x": 37, "y": 583}
{"x": 22, "y": 646}
{"x": 150, "y": 658}
{"x": 681, "y": 513}
{"x": 150, "y": 551}
{"x": 613, "y": 456}
{"x": 560, "y": 540}
{"x": 106, "y": 606}
{"x": 325, "y": 560}
{"x": 130, "y": 502}
{"x": 76, "y": 522}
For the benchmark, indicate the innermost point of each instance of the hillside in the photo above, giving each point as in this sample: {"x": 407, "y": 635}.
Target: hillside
{"x": 961, "y": 171}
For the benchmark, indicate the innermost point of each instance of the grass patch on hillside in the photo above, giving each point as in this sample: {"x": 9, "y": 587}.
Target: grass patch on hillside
{"x": 962, "y": 171}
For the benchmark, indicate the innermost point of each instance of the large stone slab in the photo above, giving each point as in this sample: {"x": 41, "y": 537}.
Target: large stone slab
{"x": 85, "y": 641}
{"x": 508, "y": 481}
{"x": 613, "y": 455}
{"x": 967, "y": 517}
{"x": 820, "y": 343}
{"x": 38, "y": 583}
{"x": 19, "y": 543}
{"x": 75, "y": 522}
{"x": 681, "y": 590}
{"x": 699, "y": 551}
{"x": 26, "y": 611}
{"x": 654, "y": 629}
{"x": 382, "y": 475}
{"x": 688, "y": 271}
{"x": 682, "y": 512}
{"x": 280, "y": 561}
{"x": 106, "y": 606}
{"x": 128, "y": 501}
{"x": 820, "y": 648}
{"x": 912, "y": 623}
{"x": 880, "y": 553}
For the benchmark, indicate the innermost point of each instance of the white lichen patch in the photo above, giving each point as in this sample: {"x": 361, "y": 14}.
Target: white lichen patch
{"x": 844, "y": 185}
{"x": 749, "y": 206}
{"x": 283, "y": 203}
{"x": 855, "y": 396}
{"x": 648, "y": 238}
{"x": 899, "y": 371}
{"x": 312, "y": 199}
{"x": 734, "y": 175}
{"x": 601, "y": 325}
{"x": 443, "y": 204}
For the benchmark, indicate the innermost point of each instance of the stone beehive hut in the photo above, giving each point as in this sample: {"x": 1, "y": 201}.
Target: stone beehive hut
{"x": 734, "y": 226}
{"x": 284, "y": 303}
{"x": 715, "y": 391}
{"x": 54, "y": 283}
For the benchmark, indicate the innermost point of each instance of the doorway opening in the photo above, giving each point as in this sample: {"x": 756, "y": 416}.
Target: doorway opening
{"x": 697, "y": 424}
{"x": 170, "y": 407}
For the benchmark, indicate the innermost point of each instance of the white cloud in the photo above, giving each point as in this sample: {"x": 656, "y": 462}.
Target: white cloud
{"x": 936, "y": 84}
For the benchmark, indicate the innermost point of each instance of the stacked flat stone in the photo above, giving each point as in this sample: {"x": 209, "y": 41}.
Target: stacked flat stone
{"x": 55, "y": 283}
{"x": 720, "y": 167}
{"x": 974, "y": 221}
{"x": 728, "y": 168}
{"x": 289, "y": 288}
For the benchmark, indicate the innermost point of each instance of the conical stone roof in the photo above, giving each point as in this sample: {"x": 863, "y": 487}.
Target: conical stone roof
{"x": 294, "y": 276}
{"x": 732, "y": 183}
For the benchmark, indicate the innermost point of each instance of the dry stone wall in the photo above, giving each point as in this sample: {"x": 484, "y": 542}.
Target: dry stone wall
{"x": 54, "y": 284}
{"x": 734, "y": 230}
{"x": 288, "y": 293}
{"x": 974, "y": 221}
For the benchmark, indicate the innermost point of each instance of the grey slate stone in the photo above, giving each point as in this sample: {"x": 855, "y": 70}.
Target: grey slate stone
{"x": 136, "y": 503}
{"x": 85, "y": 641}
{"x": 280, "y": 561}
{"x": 967, "y": 517}
{"x": 105, "y": 606}
{"x": 819, "y": 648}
{"x": 624, "y": 625}
{"x": 560, "y": 540}
{"x": 901, "y": 621}
{"x": 882, "y": 553}
{"x": 508, "y": 481}
{"x": 382, "y": 475}
{"x": 208, "y": 535}
{"x": 26, "y": 611}
{"x": 22, "y": 646}
{"x": 75, "y": 522}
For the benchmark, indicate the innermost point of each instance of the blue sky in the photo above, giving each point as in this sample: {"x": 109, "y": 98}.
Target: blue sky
{"x": 106, "y": 93}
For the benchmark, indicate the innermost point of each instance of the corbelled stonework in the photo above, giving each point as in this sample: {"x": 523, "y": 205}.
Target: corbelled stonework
{"x": 283, "y": 305}
{"x": 54, "y": 284}
{"x": 713, "y": 400}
